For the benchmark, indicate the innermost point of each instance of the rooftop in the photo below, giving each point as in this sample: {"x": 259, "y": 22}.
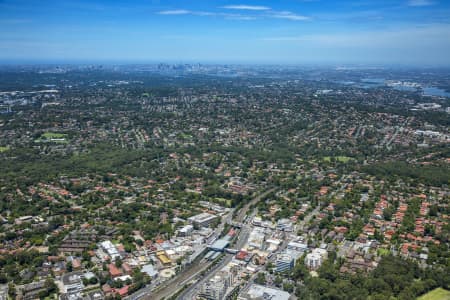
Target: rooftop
{"x": 256, "y": 291}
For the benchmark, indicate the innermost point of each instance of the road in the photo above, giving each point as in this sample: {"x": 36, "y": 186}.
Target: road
{"x": 190, "y": 292}
{"x": 283, "y": 246}
{"x": 398, "y": 129}
{"x": 194, "y": 289}
{"x": 243, "y": 211}
{"x": 193, "y": 271}
{"x": 241, "y": 240}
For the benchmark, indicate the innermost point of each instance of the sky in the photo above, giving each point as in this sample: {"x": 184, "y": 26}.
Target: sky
{"x": 368, "y": 32}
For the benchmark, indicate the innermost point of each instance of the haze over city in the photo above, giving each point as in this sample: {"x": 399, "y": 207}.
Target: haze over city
{"x": 224, "y": 150}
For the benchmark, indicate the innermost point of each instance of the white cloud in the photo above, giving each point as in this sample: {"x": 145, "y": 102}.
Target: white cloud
{"x": 228, "y": 16}
{"x": 289, "y": 16}
{"x": 246, "y": 7}
{"x": 204, "y": 13}
{"x": 175, "y": 12}
{"x": 420, "y": 2}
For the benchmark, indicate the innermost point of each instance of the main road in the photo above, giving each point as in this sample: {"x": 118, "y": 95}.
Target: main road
{"x": 194, "y": 289}
{"x": 194, "y": 270}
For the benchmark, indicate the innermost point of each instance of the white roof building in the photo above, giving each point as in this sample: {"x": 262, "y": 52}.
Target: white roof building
{"x": 110, "y": 249}
{"x": 203, "y": 219}
{"x": 315, "y": 259}
{"x": 256, "y": 238}
{"x": 285, "y": 225}
{"x": 150, "y": 270}
{"x": 216, "y": 287}
{"x": 257, "y": 292}
{"x": 298, "y": 246}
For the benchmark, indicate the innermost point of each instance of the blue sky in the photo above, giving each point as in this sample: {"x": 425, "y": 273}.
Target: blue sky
{"x": 405, "y": 32}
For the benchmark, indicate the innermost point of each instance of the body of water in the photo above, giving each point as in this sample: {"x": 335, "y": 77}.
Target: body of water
{"x": 405, "y": 88}
{"x": 368, "y": 83}
{"x": 433, "y": 91}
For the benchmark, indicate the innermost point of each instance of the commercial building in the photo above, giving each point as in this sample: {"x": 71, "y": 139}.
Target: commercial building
{"x": 202, "y": 220}
{"x": 186, "y": 230}
{"x": 285, "y": 225}
{"x": 257, "y": 221}
{"x": 258, "y": 292}
{"x": 216, "y": 287}
{"x": 272, "y": 244}
{"x": 163, "y": 258}
{"x": 299, "y": 246}
{"x": 256, "y": 238}
{"x": 284, "y": 262}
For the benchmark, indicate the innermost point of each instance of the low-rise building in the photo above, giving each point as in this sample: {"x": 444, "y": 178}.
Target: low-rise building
{"x": 256, "y": 238}
{"x": 202, "y": 220}
{"x": 186, "y": 230}
{"x": 3, "y": 291}
{"x": 110, "y": 249}
{"x": 163, "y": 258}
{"x": 72, "y": 282}
{"x": 150, "y": 271}
{"x": 258, "y": 292}
{"x": 220, "y": 244}
{"x": 285, "y": 225}
{"x": 299, "y": 246}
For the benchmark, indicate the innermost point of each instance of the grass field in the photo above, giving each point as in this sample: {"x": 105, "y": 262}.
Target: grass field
{"x": 3, "y": 149}
{"x": 185, "y": 136}
{"x": 383, "y": 252}
{"x": 60, "y": 138}
{"x": 52, "y": 135}
{"x": 436, "y": 294}
{"x": 343, "y": 159}
{"x": 224, "y": 201}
